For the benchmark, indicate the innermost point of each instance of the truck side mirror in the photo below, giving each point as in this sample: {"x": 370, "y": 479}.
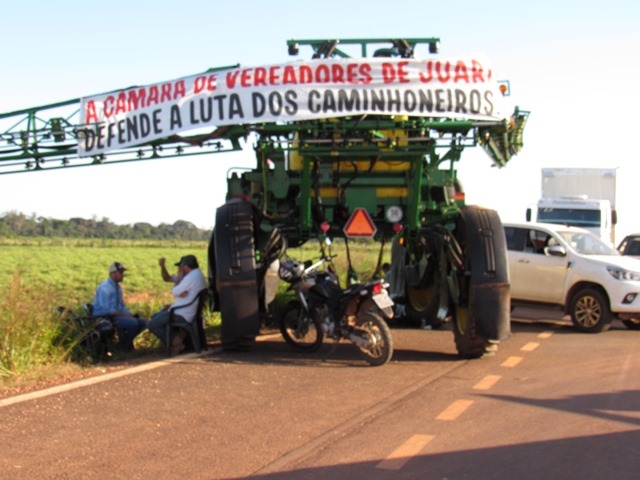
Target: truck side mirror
{"x": 555, "y": 251}
{"x": 528, "y": 215}
{"x": 614, "y": 217}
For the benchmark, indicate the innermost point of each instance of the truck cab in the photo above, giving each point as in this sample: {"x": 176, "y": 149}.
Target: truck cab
{"x": 594, "y": 215}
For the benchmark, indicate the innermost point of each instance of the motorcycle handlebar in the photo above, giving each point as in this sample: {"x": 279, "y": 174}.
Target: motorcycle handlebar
{"x": 320, "y": 262}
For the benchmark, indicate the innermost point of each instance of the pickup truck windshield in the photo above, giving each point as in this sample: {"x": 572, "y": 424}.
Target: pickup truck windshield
{"x": 587, "y": 244}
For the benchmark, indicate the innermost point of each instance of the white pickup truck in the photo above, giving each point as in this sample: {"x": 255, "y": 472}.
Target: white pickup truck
{"x": 570, "y": 267}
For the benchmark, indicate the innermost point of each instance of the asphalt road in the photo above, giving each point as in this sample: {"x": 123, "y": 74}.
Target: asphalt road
{"x": 552, "y": 403}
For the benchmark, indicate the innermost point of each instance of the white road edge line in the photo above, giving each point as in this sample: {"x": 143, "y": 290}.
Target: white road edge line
{"x": 25, "y": 397}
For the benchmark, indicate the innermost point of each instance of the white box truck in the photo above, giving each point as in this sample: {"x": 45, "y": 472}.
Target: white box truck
{"x": 581, "y": 197}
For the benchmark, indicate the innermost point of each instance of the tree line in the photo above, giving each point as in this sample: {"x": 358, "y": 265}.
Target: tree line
{"x": 17, "y": 224}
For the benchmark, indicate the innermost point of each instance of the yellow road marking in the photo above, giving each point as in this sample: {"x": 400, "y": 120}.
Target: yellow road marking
{"x": 454, "y": 410}
{"x": 511, "y": 361}
{"x": 401, "y": 455}
{"x": 545, "y": 334}
{"x": 487, "y": 382}
{"x": 530, "y": 347}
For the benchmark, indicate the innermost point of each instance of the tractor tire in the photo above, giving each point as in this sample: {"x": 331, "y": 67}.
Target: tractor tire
{"x": 214, "y": 298}
{"x": 235, "y": 275}
{"x": 418, "y": 299}
{"x": 423, "y": 302}
{"x": 480, "y": 315}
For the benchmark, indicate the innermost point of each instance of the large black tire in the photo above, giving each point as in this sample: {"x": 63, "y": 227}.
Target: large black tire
{"x": 480, "y": 314}
{"x": 236, "y": 283}
{"x": 214, "y": 299}
{"x": 423, "y": 302}
{"x": 468, "y": 344}
{"x": 372, "y": 327}
{"x": 417, "y": 299}
{"x": 590, "y": 312}
{"x": 301, "y": 331}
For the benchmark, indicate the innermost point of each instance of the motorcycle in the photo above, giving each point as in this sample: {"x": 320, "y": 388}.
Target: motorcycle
{"x": 322, "y": 308}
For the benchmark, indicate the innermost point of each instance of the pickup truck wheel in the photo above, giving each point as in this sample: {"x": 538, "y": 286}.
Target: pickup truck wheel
{"x": 632, "y": 323}
{"x": 590, "y": 312}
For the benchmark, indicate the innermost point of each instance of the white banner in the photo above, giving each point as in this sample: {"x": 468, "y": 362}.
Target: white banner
{"x": 451, "y": 88}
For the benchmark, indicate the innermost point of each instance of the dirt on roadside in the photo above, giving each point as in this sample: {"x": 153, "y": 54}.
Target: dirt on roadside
{"x": 67, "y": 373}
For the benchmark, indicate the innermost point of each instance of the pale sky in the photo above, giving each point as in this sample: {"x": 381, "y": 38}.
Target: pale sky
{"x": 574, "y": 66}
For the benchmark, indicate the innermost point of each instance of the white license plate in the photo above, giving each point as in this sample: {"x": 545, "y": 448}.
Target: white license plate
{"x": 383, "y": 300}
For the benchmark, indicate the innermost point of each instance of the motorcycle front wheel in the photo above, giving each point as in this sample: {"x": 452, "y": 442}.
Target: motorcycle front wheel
{"x": 377, "y": 348}
{"x": 298, "y": 329}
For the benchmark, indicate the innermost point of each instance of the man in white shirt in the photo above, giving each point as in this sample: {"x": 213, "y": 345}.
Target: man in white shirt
{"x": 189, "y": 281}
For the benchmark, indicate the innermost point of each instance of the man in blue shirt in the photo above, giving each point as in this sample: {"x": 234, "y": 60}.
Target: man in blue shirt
{"x": 108, "y": 301}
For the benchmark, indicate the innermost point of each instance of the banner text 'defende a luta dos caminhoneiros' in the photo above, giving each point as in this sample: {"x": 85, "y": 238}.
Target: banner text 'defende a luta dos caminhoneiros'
{"x": 451, "y": 88}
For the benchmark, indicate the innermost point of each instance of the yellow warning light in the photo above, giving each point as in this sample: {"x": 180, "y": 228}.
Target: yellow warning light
{"x": 360, "y": 225}
{"x": 503, "y": 86}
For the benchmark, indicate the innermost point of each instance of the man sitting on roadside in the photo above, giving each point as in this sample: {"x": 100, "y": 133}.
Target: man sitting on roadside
{"x": 108, "y": 301}
{"x": 188, "y": 283}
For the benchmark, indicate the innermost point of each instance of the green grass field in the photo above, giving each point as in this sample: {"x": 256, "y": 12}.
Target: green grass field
{"x": 73, "y": 269}
{"x": 40, "y": 275}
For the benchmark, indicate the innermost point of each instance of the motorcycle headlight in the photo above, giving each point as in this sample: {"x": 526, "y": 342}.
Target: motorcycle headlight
{"x": 622, "y": 274}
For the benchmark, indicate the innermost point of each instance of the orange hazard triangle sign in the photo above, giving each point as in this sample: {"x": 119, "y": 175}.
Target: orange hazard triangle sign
{"x": 360, "y": 224}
